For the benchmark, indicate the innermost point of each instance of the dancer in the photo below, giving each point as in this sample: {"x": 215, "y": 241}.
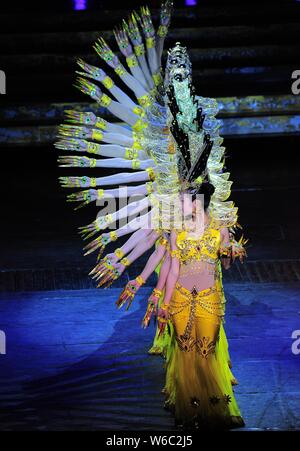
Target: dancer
{"x": 169, "y": 138}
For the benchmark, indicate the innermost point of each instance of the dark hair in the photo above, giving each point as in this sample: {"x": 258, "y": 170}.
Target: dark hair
{"x": 207, "y": 189}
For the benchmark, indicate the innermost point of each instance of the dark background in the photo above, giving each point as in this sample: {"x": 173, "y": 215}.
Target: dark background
{"x": 238, "y": 49}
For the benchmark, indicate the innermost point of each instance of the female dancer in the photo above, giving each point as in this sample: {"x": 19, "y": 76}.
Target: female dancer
{"x": 199, "y": 381}
{"x": 169, "y": 140}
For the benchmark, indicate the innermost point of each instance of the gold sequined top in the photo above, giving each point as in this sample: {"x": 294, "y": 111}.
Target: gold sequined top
{"x": 205, "y": 249}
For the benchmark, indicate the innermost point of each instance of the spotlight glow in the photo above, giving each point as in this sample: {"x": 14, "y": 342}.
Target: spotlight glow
{"x": 79, "y": 5}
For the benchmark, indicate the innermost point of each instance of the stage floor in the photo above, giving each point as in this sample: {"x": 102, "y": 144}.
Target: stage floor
{"x": 74, "y": 362}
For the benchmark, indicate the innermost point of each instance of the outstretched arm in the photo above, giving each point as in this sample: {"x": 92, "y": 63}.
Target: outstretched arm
{"x": 158, "y": 290}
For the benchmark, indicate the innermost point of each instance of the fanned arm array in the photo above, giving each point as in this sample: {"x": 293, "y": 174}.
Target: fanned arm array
{"x": 89, "y": 141}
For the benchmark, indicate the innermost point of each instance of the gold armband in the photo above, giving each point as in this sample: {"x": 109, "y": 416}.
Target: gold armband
{"x": 92, "y": 147}
{"x": 156, "y": 292}
{"x": 139, "y": 111}
{"x": 119, "y": 253}
{"x": 150, "y": 43}
{"x": 105, "y": 100}
{"x": 162, "y": 31}
{"x": 131, "y": 154}
{"x": 139, "y": 50}
{"x": 151, "y": 174}
{"x": 140, "y": 280}
{"x": 101, "y": 123}
{"x": 153, "y": 92}
{"x": 157, "y": 78}
{"x": 100, "y": 193}
{"x": 97, "y": 135}
{"x": 131, "y": 61}
{"x": 108, "y": 218}
{"x": 135, "y": 164}
{"x": 149, "y": 187}
{"x": 139, "y": 126}
{"x": 136, "y": 145}
{"x": 113, "y": 235}
{"x": 163, "y": 242}
{"x": 107, "y": 82}
{"x": 93, "y": 182}
{"x": 175, "y": 253}
{"x": 125, "y": 261}
{"x": 119, "y": 70}
{"x": 145, "y": 101}
{"x": 93, "y": 162}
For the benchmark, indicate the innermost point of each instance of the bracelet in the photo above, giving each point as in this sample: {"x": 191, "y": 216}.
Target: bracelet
{"x": 93, "y": 182}
{"x": 163, "y": 242}
{"x": 136, "y": 144}
{"x": 151, "y": 174}
{"x": 93, "y": 147}
{"x": 135, "y": 164}
{"x": 113, "y": 235}
{"x": 101, "y": 123}
{"x": 140, "y": 280}
{"x": 150, "y": 42}
{"x": 119, "y": 253}
{"x": 162, "y": 31}
{"x": 125, "y": 261}
{"x": 139, "y": 111}
{"x": 120, "y": 70}
{"x": 100, "y": 193}
{"x": 107, "y": 82}
{"x": 175, "y": 253}
{"x": 131, "y": 154}
{"x": 149, "y": 187}
{"x": 145, "y": 101}
{"x": 139, "y": 126}
{"x": 157, "y": 78}
{"x": 97, "y": 135}
{"x": 156, "y": 292}
{"x": 139, "y": 50}
{"x": 164, "y": 306}
{"x": 105, "y": 100}
{"x": 131, "y": 61}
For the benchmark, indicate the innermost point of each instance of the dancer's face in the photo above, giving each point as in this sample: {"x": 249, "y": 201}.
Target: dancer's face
{"x": 187, "y": 205}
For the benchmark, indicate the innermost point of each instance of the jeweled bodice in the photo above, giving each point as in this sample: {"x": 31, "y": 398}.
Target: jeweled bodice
{"x": 206, "y": 248}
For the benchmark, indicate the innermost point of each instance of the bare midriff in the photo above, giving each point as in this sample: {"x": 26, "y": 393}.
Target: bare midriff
{"x": 198, "y": 274}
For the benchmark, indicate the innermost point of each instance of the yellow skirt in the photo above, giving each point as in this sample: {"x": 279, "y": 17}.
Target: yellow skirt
{"x": 199, "y": 381}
